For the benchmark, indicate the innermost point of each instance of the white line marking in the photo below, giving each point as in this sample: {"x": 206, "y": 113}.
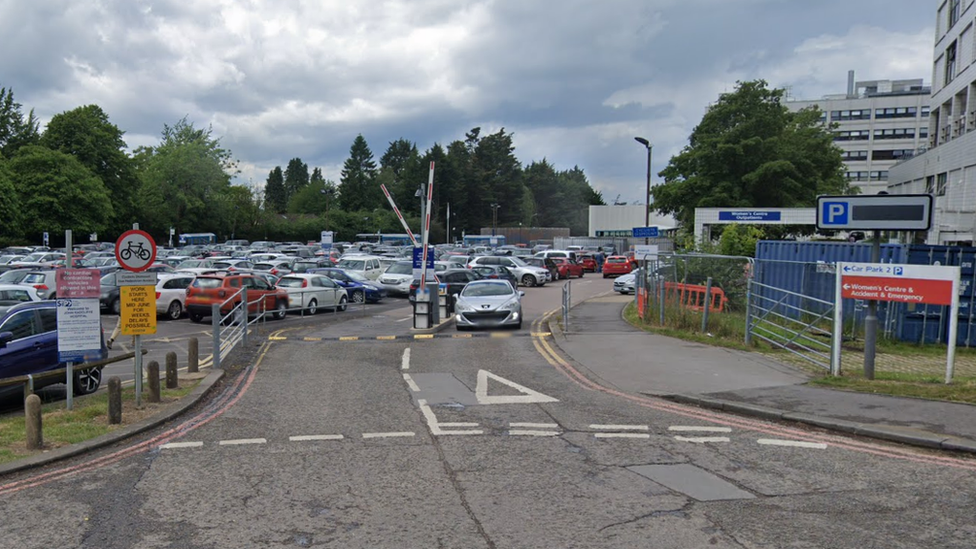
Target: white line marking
{"x": 411, "y": 383}
{"x": 534, "y": 425}
{"x": 692, "y": 428}
{"x": 403, "y": 319}
{"x": 389, "y": 435}
{"x": 243, "y": 441}
{"x": 620, "y": 427}
{"x": 793, "y": 443}
{"x": 528, "y": 396}
{"x": 182, "y": 445}
{"x": 621, "y": 435}
{"x": 702, "y": 440}
{"x": 300, "y": 438}
{"x": 405, "y": 361}
{"x": 457, "y": 424}
{"x": 435, "y": 427}
{"x": 532, "y": 433}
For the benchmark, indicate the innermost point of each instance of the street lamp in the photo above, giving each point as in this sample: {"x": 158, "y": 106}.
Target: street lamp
{"x": 647, "y": 203}
{"x": 494, "y": 216}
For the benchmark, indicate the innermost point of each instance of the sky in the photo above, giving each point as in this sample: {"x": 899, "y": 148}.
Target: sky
{"x": 574, "y": 81}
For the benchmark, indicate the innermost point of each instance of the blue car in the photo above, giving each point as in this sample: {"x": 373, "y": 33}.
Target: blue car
{"x": 29, "y": 345}
{"x": 357, "y": 286}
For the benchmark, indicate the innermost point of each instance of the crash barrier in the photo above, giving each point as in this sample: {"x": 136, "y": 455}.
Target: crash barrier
{"x": 695, "y": 296}
{"x": 28, "y": 380}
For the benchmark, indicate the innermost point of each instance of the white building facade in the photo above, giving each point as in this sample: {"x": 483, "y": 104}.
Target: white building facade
{"x": 948, "y": 168}
{"x": 619, "y": 221}
{"x": 879, "y": 123}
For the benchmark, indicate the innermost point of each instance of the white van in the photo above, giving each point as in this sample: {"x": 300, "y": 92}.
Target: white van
{"x": 557, "y": 253}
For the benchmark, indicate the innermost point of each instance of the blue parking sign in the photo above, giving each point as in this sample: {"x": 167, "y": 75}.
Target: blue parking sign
{"x": 834, "y": 213}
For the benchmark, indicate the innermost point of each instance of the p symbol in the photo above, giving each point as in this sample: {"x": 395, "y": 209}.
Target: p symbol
{"x": 835, "y": 213}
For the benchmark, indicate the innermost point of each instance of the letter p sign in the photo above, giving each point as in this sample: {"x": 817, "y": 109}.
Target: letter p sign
{"x": 834, "y": 213}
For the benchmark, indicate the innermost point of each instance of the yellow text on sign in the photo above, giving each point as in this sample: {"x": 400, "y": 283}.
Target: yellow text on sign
{"x": 138, "y": 309}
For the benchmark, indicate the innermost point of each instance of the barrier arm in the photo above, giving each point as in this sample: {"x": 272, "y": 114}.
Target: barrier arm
{"x": 399, "y": 215}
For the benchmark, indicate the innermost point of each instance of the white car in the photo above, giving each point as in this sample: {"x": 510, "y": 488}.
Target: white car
{"x": 488, "y": 304}
{"x": 312, "y": 292}
{"x": 624, "y": 284}
{"x": 527, "y": 274}
{"x": 196, "y": 266}
{"x": 397, "y": 278}
{"x": 366, "y": 265}
{"x": 171, "y": 294}
{"x": 12, "y": 294}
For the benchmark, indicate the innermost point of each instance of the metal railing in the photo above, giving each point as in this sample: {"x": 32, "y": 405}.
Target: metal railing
{"x": 28, "y": 380}
{"x": 567, "y": 304}
{"x": 231, "y": 328}
{"x": 775, "y": 316}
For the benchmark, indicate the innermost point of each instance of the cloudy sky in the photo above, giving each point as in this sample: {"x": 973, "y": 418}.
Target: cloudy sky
{"x": 573, "y": 80}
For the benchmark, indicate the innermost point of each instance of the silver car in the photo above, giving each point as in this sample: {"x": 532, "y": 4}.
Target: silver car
{"x": 487, "y": 304}
{"x": 625, "y": 283}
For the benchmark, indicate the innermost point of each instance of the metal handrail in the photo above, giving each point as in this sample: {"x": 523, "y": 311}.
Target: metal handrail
{"x": 30, "y": 378}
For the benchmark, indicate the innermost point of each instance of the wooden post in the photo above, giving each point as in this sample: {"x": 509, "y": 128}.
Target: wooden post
{"x": 153, "y": 381}
{"x": 193, "y": 360}
{"x": 171, "y": 380}
{"x": 114, "y": 400}
{"x": 32, "y": 411}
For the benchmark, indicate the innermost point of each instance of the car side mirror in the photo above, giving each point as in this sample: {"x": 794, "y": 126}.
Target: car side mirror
{"x": 5, "y": 338}
{"x": 521, "y": 293}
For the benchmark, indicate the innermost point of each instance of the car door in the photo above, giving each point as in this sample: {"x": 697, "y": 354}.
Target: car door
{"x": 264, "y": 290}
{"x": 27, "y": 352}
{"x": 329, "y": 290}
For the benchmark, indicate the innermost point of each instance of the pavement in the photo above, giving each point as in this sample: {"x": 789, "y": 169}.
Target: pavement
{"x": 631, "y": 360}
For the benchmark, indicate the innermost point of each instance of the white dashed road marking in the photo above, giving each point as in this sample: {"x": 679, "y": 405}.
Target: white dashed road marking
{"x": 389, "y": 435}
{"x": 182, "y": 445}
{"x": 532, "y": 433}
{"x": 620, "y": 427}
{"x": 534, "y": 425}
{"x": 411, "y": 383}
{"x": 702, "y": 440}
{"x": 243, "y": 441}
{"x": 621, "y": 435}
{"x": 301, "y": 438}
{"x": 405, "y": 361}
{"x": 793, "y": 443}
{"x": 693, "y": 428}
{"x": 436, "y": 428}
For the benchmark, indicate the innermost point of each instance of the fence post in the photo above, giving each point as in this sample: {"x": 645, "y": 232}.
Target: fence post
{"x": 193, "y": 356}
{"x": 153, "y": 381}
{"x": 171, "y": 380}
{"x": 244, "y": 316}
{"x": 215, "y": 315}
{"x": 749, "y": 312}
{"x": 708, "y": 304}
{"x": 114, "y": 400}
{"x": 32, "y": 413}
{"x": 661, "y": 293}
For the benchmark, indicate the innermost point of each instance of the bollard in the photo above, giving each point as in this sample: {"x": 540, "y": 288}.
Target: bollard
{"x": 114, "y": 400}
{"x": 153, "y": 382}
{"x": 193, "y": 358}
{"x": 171, "y": 380}
{"x": 32, "y": 412}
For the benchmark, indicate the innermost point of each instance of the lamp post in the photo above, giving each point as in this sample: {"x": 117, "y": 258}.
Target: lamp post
{"x": 520, "y": 232}
{"x": 647, "y": 203}
{"x": 494, "y": 216}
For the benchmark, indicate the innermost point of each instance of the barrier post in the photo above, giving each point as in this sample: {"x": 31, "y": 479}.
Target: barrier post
{"x": 193, "y": 356}
{"x": 171, "y": 380}
{"x": 708, "y": 305}
{"x": 32, "y": 412}
{"x": 153, "y": 382}
{"x": 215, "y": 315}
{"x": 114, "y": 400}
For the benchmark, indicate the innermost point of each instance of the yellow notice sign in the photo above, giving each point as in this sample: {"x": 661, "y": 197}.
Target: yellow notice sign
{"x": 138, "y": 309}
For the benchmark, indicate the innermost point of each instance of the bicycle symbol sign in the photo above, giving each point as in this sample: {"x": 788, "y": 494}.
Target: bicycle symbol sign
{"x": 135, "y": 250}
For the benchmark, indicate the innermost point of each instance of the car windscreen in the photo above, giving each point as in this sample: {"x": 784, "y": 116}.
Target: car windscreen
{"x": 14, "y": 295}
{"x": 191, "y": 264}
{"x": 483, "y": 290}
{"x": 290, "y": 282}
{"x": 264, "y": 266}
{"x": 33, "y": 278}
{"x": 352, "y": 264}
{"x": 207, "y": 283}
{"x": 222, "y": 265}
{"x": 400, "y": 268}
{"x": 617, "y": 260}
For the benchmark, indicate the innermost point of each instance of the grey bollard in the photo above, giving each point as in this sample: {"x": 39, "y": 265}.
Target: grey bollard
{"x": 171, "y": 380}
{"x": 153, "y": 382}
{"x": 32, "y": 411}
{"x": 193, "y": 360}
{"x": 114, "y": 400}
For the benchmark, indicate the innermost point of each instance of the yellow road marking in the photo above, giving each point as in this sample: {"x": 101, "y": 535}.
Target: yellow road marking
{"x": 461, "y": 336}
{"x": 349, "y": 338}
{"x": 311, "y": 339}
{"x": 385, "y": 338}
{"x": 500, "y": 335}
{"x": 423, "y": 336}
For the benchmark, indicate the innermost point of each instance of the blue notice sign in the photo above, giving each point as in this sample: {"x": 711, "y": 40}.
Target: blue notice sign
{"x": 748, "y": 215}
{"x": 418, "y": 260}
{"x": 645, "y": 232}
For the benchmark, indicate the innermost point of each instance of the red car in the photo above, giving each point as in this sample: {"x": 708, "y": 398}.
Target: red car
{"x": 616, "y": 265}
{"x": 568, "y": 267}
{"x": 588, "y": 262}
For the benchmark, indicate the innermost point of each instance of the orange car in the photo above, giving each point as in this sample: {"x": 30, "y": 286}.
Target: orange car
{"x": 617, "y": 265}
{"x": 207, "y": 290}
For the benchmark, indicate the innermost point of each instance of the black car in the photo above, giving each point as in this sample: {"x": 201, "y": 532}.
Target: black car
{"x": 453, "y": 280}
{"x": 496, "y": 271}
{"x": 110, "y": 297}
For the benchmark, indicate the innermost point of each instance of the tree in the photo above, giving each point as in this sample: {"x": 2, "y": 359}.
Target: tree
{"x": 57, "y": 192}
{"x": 749, "y": 150}
{"x": 16, "y": 130}
{"x": 357, "y": 188}
{"x": 275, "y": 195}
{"x": 10, "y": 208}
{"x": 296, "y": 177}
{"x": 87, "y": 134}
{"x": 739, "y": 240}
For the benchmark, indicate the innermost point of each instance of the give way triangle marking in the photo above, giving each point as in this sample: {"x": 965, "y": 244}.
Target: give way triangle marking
{"x": 528, "y": 396}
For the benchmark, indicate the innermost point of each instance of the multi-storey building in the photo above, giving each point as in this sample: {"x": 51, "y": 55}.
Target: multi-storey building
{"x": 948, "y": 168}
{"x": 878, "y": 123}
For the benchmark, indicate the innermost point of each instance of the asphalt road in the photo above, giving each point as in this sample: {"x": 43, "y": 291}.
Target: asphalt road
{"x": 476, "y": 442}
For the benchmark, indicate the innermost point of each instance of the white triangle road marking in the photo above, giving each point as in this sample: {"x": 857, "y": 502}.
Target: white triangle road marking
{"x": 528, "y": 396}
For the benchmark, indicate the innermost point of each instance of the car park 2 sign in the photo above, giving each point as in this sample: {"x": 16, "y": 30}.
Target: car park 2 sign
{"x": 904, "y": 283}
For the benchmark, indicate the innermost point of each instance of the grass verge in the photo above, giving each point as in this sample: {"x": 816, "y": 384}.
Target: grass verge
{"x": 87, "y": 420}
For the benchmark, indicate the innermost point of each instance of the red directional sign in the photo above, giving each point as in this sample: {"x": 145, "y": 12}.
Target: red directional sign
{"x": 135, "y": 250}
{"x": 908, "y": 290}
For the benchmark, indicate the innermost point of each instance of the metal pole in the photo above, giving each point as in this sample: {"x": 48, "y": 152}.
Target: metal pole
{"x": 661, "y": 295}
{"x": 244, "y": 316}
{"x": 215, "y": 323}
{"x": 70, "y": 379}
{"x": 647, "y": 203}
{"x": 138, "y": 371}
{"x": 871, "y": 321}
{"x": 749, "y": 312}
{"x": 708, "y": 304}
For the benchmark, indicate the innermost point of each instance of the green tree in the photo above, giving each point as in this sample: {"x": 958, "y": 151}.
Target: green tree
{"x": 749, "y": 150}
{"x": 16, "y": 130}
{"x": 57, "y": 192}
{"x": 296, "y": 177}
{"x": 275, "y": 195}
{"x": 739, "y": 240}
{"x": 10, "y": 208}
{"x": 87, "y": 134}
{"x": 357, "y": 187}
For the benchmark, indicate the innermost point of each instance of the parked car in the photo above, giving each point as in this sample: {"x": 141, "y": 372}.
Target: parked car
{"x": 196, "y": 266}
{"x": 588, "y": 262}
{"x": 44, "y": 282}
{"x": 454, "y": 280}
{"x": 14, "y": 294}
{"x": 277, "y": 267}
{"x": 311, "y": 292}
{"x": 568, "y": 268}
{"x": 616, "y": 265}
{"x": 488, "y": 303}
{"x": 40, "y": 258}
{"x": 14, "y": 276}
{"x": 499, "y": 272}
{"x": 216, "y": 288}
{"x": 367, "y": 265}
{"x": 397, "y": 278}
{"x": 527, "y": 274}
{"x": 624, "y": 284}
{"x": 29, "y": 345}
{"x": 171, "y": 294}
{"x": 305, "y": 264}
{"x": 543, "y": 263}
{"x": 358, "y": 287}
{"x": 108, "y": 299}
{"x": 233, "y": 264}
{"x": 5, "y": 259}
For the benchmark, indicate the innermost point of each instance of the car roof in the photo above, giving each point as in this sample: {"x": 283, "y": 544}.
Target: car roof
{"x": 44, "y": 304}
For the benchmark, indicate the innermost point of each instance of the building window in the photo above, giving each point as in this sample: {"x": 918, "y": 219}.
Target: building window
{"x": 930, "y": 184}
{"x": 896, "y": 112}
{"x": 854, "y": 135}
{"x": 857, "y": 176}
{"x": 940, "y": 183}
{"x": 879, "y": 176}
{"x": 950, "y": 63}
{"x": 954, "y": 7}
{"x": 923, "y": 132}
{"x": 896, "y": 154}
{"x": 926, "y": 110}
{"x": 895, "y": 133}
{"x": 850, "y": 115}
{"x": 854, "y": 155}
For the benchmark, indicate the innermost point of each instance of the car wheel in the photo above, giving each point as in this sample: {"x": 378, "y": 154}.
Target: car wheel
{"x": 174, "y": 311}
{"x": 196, "y": 317}
{"x": 87, "y": 381}
{"x": 313, "y": 307}
{"x": 605, "y": 275}
{"x": 582, "y": 273}
{"x": 528, "y": 280}
{"x": 343, "y": 303}
{"x": 117, "y": 306}
{"x": 358, "y": 297}
{"x": 280, "y": 310}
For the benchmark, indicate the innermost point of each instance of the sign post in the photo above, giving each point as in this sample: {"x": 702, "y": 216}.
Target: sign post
{"x": 79, "y": 323}
{"x": 135, "y": 251}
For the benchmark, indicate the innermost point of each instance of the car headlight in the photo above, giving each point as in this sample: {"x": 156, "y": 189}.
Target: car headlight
{"x": 512, "y": 305}
{"x": 463, "y": 307}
